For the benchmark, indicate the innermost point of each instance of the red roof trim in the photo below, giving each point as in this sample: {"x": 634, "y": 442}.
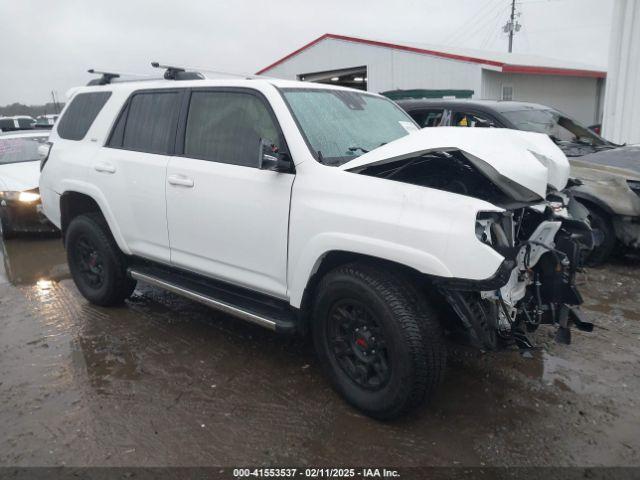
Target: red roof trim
{"x": 505, "y": 67}
{"x": 294, "y": 53}
{"x": 568, "y": 72}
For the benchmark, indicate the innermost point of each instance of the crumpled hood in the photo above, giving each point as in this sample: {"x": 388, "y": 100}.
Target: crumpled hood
{"x": 529, "y": 159}
{"x": 18, "y": 177}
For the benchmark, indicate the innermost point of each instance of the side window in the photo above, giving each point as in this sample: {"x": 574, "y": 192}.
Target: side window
{"x": 468, "y": 119}
{"x": 428, "y": 118}
{"x": 150, "y": 122}
{"x": 226, "y": 127}
{"x": 80, "y": 114}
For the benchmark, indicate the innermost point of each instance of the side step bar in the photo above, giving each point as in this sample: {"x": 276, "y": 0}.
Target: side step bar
{"x": 224, "y": 300}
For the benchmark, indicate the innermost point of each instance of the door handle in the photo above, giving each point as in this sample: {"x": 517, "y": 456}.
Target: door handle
{"x": 104, "y": 168}
{"x": 180, "y": 181}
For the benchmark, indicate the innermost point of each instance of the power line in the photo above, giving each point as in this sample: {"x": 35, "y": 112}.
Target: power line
{"x": 474, "y": 20}
{"x": 491, "y": 32}
{"x": 486, "y": 21}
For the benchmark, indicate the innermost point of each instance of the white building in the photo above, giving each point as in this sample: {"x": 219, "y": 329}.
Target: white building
{"x": 621, "y": 121}
{"x": 573, "y": 88}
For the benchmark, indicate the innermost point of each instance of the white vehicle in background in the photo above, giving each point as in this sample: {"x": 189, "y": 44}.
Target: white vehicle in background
{"x": 304, "y": 207}
{"x": 20, "y": 209}
{"x": 17, "y": 122}
{"x": 46, "y": 121}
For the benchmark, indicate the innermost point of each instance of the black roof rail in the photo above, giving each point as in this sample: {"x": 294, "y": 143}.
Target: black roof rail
{"x": 178, "y": 73}
{"x": 105, "y": 79}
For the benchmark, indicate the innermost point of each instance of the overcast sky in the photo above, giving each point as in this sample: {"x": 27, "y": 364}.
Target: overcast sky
{"x": 49, "y": 44}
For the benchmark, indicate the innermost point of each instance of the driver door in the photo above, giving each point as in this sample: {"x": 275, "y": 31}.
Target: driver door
{"x": 227, "y": 218}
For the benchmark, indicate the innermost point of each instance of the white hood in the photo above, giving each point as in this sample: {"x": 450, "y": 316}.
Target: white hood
{"x": 18, "y": 177}
{"x": 529, "y": 159}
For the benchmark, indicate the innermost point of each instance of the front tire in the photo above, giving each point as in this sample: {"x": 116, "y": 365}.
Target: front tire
{"x": 98, "y": 267}
{"x": 377, "y": 339}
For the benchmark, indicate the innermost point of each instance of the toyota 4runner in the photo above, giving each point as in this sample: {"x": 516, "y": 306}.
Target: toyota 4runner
{"x": 312, "y": 208}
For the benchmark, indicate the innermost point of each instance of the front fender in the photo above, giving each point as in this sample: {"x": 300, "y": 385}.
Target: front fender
{"x": 615, "y": 198}
{"x": 321, "y": 245}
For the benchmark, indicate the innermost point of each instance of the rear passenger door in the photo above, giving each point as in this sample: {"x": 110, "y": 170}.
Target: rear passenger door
{"x": 131, "y": 172}
{"x": 227, "y": 218}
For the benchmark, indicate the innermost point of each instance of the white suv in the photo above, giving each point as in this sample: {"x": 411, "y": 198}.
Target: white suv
{"x": 305, "y": 207}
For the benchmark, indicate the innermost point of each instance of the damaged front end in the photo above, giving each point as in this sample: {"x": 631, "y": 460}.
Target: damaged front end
{"x": 543, "y": 246}
{"x": 541, "y": 232}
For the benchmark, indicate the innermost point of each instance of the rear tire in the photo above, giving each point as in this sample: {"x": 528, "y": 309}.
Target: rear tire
{"x": 377, "y": 339}
{"x": 601, "y": 221}
{"x": 98, "y": 267}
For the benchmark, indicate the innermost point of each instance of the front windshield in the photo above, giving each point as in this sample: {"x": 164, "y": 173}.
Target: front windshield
{"x": 551, "y": 122}
{"x": 341, "y": 125}
{"x": 21, "y": 149}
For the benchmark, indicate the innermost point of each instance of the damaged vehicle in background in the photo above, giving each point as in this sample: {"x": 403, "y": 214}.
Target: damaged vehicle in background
{"x": 387, "y": 237}
{"x": 20, "y": 209}
{"x": 607, "y": 194}
{"x": 612, "y": 196}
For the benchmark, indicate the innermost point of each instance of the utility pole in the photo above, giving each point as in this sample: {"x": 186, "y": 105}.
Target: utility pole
{"x": 512, "y": 25}
{"x": 55, "y": 102}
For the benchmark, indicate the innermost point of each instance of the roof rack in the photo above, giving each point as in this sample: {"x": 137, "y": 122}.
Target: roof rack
{"x": 105, "y": 79}
{"x": 178, "y": 73}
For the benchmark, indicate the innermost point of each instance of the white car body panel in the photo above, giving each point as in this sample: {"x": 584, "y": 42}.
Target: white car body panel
{"x": 329, "y": 208}
{"x": 18, "y": 177}
{"x": 509, "y": 152}
{"x": 134, "y": 184}
{"x": 334, "y": 210}
{"x": 232, "y": 224}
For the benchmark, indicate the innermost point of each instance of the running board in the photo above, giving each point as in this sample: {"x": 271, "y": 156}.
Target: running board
{"x": 272, "y": 315}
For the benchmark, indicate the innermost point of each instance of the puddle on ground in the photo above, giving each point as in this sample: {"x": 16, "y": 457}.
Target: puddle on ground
{"x": 29, "y": 261}
{"x": 166, "y": 381}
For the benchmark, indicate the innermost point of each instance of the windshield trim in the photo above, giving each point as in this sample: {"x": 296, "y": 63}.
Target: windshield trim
{"x": 314, "y": 153}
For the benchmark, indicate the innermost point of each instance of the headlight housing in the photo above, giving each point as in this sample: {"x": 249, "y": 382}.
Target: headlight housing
{"x": 31, "y": 196}
{"x": 496, "y": 230}
{"x": 28, "y": 197}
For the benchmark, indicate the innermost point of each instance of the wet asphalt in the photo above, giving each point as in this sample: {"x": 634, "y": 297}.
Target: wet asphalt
{"x": 163, "y": 381}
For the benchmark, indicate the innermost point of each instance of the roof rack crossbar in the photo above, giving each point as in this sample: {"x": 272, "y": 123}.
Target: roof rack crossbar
{"x": 105, "y": 79}
{"x": 178, "y": 73}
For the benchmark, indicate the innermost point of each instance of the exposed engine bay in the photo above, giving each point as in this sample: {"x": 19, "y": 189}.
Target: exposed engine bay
{"x": 449, "y": 171}
{"x": 543, "y": 244}
{"x": 546, "y": 244}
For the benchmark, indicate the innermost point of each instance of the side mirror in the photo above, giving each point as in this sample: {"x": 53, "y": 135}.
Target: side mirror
{"x": 270, "y": 158}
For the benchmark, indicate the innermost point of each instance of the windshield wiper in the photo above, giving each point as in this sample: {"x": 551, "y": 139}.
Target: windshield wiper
{"x": 353, "y": 149}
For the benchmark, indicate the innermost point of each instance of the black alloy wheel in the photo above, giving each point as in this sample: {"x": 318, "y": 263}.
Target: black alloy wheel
{"x": 358, "y": 343}
{"x": 90, "y": 262}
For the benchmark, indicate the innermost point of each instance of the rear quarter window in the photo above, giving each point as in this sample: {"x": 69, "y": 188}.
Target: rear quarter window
{"x": 79, "y": 117}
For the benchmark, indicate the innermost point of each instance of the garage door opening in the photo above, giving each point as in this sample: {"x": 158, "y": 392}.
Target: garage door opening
{"x": 355, "y": 77}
